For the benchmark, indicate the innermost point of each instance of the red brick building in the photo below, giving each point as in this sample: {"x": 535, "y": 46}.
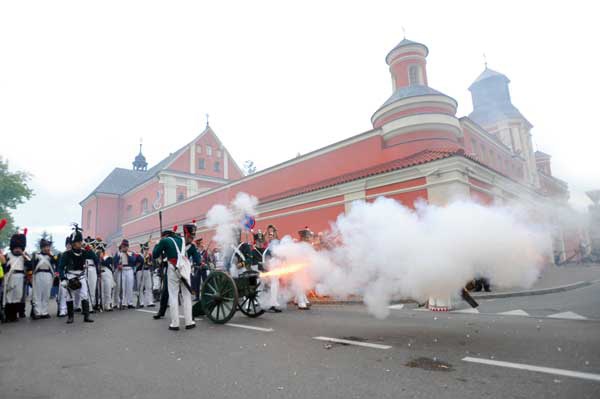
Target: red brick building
{"x": 418, "y": 148}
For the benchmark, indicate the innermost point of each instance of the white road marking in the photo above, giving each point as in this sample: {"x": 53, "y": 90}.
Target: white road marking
{"x": 468, "y": 310}
{"x": 567, "y": 315}
{"x": 518, "y": 312}
{"x": 249, "y": 327}
{"x": 153, "y": 312}
{"x": 396, "y": 307}
{"x": 357, "y": 343}
{"x": 145, "y": 311}
{"x": 547, "y": 370}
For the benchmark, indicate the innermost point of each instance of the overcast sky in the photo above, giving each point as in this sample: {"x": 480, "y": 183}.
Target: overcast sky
{"x": 81, "y": 82}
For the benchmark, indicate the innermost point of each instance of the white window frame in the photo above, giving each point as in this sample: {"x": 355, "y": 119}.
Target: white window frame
{"x": 417, "y": 71}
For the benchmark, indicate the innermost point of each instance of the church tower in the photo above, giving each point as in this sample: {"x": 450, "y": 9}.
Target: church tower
{"x": 494, "y": 111}
{"x": 139, "y": 163}
{"x": 415, "y": 116}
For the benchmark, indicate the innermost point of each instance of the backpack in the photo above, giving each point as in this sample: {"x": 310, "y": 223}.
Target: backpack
{"x": 183, "y": 262}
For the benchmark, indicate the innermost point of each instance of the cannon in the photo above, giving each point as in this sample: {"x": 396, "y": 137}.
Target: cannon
{"x": 221, "y": 295}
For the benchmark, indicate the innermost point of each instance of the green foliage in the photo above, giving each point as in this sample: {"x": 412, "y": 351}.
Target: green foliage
{"x": 14, "y": 190}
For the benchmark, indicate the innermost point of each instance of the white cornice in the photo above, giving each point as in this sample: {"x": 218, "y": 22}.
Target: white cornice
{"x": 416, "y": 47}
{"x": 411, "y": 103}
{"x": 413, "y": 123}
{"x": 414, "y": 102}
{"x": 190, "y": 176}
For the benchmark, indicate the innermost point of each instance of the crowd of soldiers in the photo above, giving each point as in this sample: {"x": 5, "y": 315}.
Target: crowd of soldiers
{"x": 86, "y": 279}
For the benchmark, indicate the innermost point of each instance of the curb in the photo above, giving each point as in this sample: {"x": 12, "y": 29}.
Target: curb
{"x": 541, "y": 291}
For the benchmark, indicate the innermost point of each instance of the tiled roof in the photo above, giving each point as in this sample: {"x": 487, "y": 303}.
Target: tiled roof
{"x": 488, "y": 73}
{"x": 403, "y": 43}
{"x": 412, "y": 160}
{"x": 410, "y": 91}
{"x": 119, "y": 181}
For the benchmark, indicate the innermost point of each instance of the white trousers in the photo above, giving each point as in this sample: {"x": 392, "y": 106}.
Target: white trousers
{"x": 13, "y": 288}
{"x": 42, "y": 284}
{"x": 117, "y": 287}
{"x": 78, "y": 295}
{"x": 272, "y": 298}
{"x": 144, "y": 286}
{"x": 107, "y": 285}
{"x": 175, "y": 286}
{"x": 302, "y": 300}
{"x": 62, "y": 300}
{"x": 92, "y": 278}
{"x": 125, "y": 277}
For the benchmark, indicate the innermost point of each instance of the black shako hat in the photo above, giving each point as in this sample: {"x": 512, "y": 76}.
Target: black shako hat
{"x": 77, "y": 234}
{"x": 18, "y": 240}
{"x": 189, "y": 230}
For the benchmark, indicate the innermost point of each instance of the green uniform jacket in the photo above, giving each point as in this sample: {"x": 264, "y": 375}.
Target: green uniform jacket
{"x": 69, "y": 262}
{"x": 166, "y": 248}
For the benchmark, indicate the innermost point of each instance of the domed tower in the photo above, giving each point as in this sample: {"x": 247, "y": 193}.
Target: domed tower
{"x": 416, "y": 114}
{"x": 139, "y": 163}
{"x": 494, "y": 111}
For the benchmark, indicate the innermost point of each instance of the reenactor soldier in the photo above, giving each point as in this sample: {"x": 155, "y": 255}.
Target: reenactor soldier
{"x": 44, "y": 267}
{"x": 273, "y": 298}
{"x": 17, "y": 266}
{"x": 91, "y": 272}
{"x": 305, "y": 235}
{"x": 124, "y": 262}
{"x": 72, "y": 265}
{"x": 106, "y": 280}
{"x": 258, "y": 249}
{"x": 145, "y": 266}
{"x": 200, "y": 272}
{"x": 173, "y": 248}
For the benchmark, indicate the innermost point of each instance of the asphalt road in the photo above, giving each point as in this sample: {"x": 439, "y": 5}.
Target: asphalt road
{"x": 412, "y": 354}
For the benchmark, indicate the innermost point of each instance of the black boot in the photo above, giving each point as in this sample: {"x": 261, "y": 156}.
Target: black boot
{"x": 70, "y": 312}
{"x": 21, "y": 307}
{"x": 85, "y": 306}
{"x": 11, "y": 312}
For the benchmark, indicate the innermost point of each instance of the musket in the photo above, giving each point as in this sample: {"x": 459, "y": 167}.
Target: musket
{"x": 468, "y": 298}
{"x": 121, "y": 287}
{"x": 32, "y": 312}
{"x": 99, "y": 301}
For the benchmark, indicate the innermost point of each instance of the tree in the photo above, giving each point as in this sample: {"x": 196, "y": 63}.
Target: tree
{"x": 14, "y": 190}
{"x": 249, "y": 168}
{"x": 48, "y": 237}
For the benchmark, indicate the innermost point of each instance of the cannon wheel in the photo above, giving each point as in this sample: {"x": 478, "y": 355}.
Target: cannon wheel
{"x": 219, "y": 297}
{"x": 249, "y": 305}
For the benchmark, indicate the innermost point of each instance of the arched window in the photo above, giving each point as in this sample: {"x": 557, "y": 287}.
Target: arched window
{"x": 201, "y": 163}
{"x": 413, "y": 75}
{"x": 180, "y": 196}
{"x": 144, "y": 206}
{"x": 217, "y": 166}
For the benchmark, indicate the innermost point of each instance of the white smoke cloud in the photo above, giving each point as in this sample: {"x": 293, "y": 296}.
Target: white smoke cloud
{"x": 387, "y": 251}
{"x": 227, "y": 220}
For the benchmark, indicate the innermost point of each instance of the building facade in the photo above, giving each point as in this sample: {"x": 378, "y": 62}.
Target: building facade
{"x": 418, "y": 148}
